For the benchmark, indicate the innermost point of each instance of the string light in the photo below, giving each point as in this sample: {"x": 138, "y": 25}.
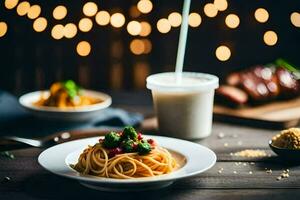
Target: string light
{"x": 90, "y": 9}
{"x": 270, "y": 38}
{"x": 23, "y": 8}
{"x": 145, "y": 6}
{"x": 261, "y": 15}
{"x": 10, "y": 4}
{"x": 194, "y": 20}
{"x": 40, "y": 24}
{"x": 210, "y": 10}
{"x": 163, "y": 25}
{"x": 57, "y": 32}
{"x": 117, "y": 20}
{"x": 137, "y": 46}
{"x": 70, "y": 30}
{"x": 147, "y": 46}
{"x": 232, "y": 21}
{"x": 221, "y": 5}
{"x": 134, "y": 28}
{"x": 295, "y": 19}
{"x": 3, "y": 29}
{"x": 146, "y": 29}
{"x": 223, "y": 53}
{"x": 134, "y": 12}
{"x": 60, "y": 12}
{"x": 34, "y": 12}
{"x": 83, "y": 48}
{"x": 85, "y": 24}
{"x": 102, "y": 18}
{"x": 175, "y": 19}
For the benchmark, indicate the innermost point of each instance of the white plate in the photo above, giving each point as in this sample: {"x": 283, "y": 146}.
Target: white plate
{"x": 57, "y": 160}
{"x": 82, "y": 113}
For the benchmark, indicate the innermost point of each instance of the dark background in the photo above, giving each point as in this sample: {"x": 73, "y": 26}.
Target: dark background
{"x": 31, "y": 61}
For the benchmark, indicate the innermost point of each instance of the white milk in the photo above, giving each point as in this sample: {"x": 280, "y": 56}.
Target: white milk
{"x": 183, "y": 110}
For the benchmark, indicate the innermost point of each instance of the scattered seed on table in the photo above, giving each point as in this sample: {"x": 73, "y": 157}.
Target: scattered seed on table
{"x": 252, "y": 163}
{"x": 234, "y": 172}
{"x": 278, "y": 178}
{"x": 65, "y": 135}
{"x": 221, "y": 135}
{"x": 240, "y": 143}
{"x": 245, "y": 164}
{"x": 269, "y": 171}
{"x": 6, "y": 179}
{"x": 250, "y": 172}
{"x": 225, "y": 144}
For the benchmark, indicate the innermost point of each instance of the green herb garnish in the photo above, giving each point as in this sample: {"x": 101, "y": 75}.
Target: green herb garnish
{"x": 130, "y": 133}
{"x": 143, "y": 148}
{"x": 112, "y": 140}
{"x": 292, "y": 68}
{"x": 72, "y": 88}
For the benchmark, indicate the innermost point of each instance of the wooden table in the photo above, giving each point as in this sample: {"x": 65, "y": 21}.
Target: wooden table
{"x": 241, "y": 178}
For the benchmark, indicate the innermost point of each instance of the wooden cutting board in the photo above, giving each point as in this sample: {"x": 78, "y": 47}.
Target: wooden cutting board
{"x": 283, "y": 114}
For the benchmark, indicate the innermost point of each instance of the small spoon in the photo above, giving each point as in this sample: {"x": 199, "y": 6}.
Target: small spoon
{"x": 285, "y": 153}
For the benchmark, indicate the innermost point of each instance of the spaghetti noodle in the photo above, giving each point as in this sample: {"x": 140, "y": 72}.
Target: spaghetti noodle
{"x": 115, "y": 163}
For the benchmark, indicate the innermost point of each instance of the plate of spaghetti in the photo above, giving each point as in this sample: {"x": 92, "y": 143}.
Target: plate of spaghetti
{"x": 65, "y": 100}
{"x": 127, "y": 160}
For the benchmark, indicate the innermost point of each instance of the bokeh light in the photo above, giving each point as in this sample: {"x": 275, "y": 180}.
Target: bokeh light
{"x": 70, "y": 30}
{"x": 90, "y": 9}
{"x": 146, "y": 29}
{"x": 223, "y": 53}
{"x": 194, "y": 20}
{"x": 60, "y": 12}
{"x": 147, "y": 46}
{"x": 57, "y": 32}
{"x": 134, "y": 28}
{"x": 221, "y": 5}
{"x": 163, "y": 25}
{"x": 83, "y": 48}
{"x": 261, "y": 15}
{"x": 10, "y": 4}
{"x": 232, "y": 21}
{"x": 3, "y": 29}
{"x": 270, "y": 38}
{"x": 102, "y": 18}
{"x": 23, "y": 8}
{"x": 137, "y": 46}
{"x": 134, "y": 12}
{"x": 210, "y": 10}
{"x": 145, "y": 6}
{"x": 175, "y": 19}
{"x": 85, "y": 24}
{"x": 34, "y": 11}
{"x": 295, "y": 19}
{"x": 117, "y": 20}
{"x": 40, "y": 24}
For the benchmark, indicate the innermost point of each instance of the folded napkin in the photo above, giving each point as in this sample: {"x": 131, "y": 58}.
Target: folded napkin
{"x": 14, "y": 120}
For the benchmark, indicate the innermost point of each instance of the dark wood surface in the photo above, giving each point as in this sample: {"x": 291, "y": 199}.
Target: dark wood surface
{"x": 30, "y": 181}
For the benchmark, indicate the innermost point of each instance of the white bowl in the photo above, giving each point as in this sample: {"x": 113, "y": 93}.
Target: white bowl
{"x": 82, "y": 113}
{"x": 58, "y": 159}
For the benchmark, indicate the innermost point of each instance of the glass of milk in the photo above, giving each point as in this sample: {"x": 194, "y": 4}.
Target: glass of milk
{"x": 184, "y": 110}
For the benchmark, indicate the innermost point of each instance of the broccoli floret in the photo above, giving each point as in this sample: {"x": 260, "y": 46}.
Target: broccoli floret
{"x": 129, "y": 133}
{"x": 143, "y": 147}
{"x": 112, "y": 140}
{"x": 127, "y": 145}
